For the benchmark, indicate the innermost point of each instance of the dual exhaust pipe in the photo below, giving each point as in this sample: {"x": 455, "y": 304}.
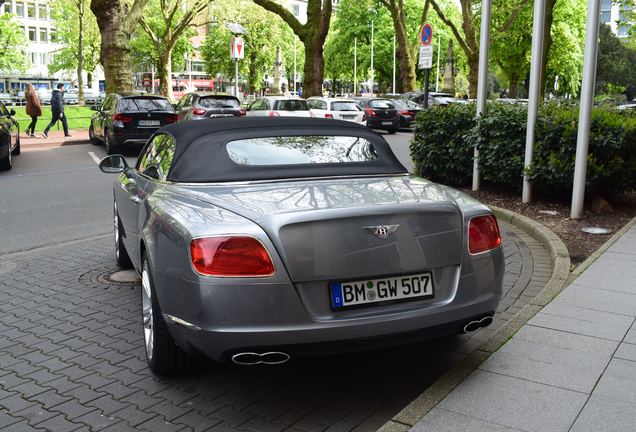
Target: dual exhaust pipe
{"x": 253, "y": 358}
{"x": 471, "y": 326}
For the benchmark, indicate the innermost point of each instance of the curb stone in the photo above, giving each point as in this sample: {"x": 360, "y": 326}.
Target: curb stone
{"x": 432, "y": 396}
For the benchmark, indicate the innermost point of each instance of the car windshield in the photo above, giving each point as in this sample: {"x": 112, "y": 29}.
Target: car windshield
{"x": 381, "y": 104}
{"x": 344, "y": 106}
{"x": 144, "y": 104}
{"x": 296, "y": 150}
{"x": 216, "y": 102}
{"x": 291, "y": 105}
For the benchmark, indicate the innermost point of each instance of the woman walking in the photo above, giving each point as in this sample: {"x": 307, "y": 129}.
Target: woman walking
{"x": 33, "y": 108}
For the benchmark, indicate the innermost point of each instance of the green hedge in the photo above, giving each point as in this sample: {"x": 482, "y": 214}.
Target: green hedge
{"x": 444, "y": 140}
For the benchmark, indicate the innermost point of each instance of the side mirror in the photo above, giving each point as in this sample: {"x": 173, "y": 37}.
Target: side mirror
{"x": 12, "y": 112}
{"x": 113, "y": 164}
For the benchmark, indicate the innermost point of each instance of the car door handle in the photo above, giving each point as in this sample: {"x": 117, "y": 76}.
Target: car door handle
{"x": 135, "y": 199}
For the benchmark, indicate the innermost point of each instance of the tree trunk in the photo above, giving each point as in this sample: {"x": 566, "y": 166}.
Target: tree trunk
{"x": 473, "y": 74}
{"x": 547, "y": 43}
{"x": 80, "y": 53}
{"x": 165, "y": 74}
{"x": 513, "y": 87}
{"x": 116, "y": 21}
{"x": 89, "y": 79}
{"x": 313, "y": 68}
{"x": 407, "y": 61}
{"x": 251, "y": 74}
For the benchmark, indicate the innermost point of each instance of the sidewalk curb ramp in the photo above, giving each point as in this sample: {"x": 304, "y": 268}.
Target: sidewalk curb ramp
{"x": 412, "y": 413}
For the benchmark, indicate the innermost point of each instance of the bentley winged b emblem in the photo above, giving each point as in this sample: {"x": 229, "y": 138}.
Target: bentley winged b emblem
{"x": 382, "y": 231}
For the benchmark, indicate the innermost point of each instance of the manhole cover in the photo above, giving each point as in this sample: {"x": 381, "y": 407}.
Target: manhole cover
{"x": 111, "y": 277}
{"x": 6, "y": 267}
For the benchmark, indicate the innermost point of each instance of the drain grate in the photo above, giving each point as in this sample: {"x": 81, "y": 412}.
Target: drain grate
{"x": 111, "y": 277}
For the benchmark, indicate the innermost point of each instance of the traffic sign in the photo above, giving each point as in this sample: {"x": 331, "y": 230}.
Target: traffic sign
{"x": 236, "y": 48}
{"x": 426, "y": 34}
{"x": 426, "y": 57}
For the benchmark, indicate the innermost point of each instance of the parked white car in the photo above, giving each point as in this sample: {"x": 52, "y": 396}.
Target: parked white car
{"x": 44, "y": 95}
{"x": 279, "y": 106}
{"x": 336, "y": 108}
{"x": 70, "y": 98}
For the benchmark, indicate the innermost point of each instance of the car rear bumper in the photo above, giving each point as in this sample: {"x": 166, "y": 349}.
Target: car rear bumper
{"x": 130, "y": 140}
{"x": 378, "y": 123}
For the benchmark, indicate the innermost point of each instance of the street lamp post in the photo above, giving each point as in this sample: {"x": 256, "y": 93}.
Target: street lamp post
{"x": 372, "y": 87}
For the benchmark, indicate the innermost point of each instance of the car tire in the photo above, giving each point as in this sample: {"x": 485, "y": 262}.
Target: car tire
{"x": 162, "y": 353}
{"x": 91, "y": 136}
{"x": 392, "y": 131}
{"x": 6, "y": 164}
{"x": 16, "y": 150}
{"x": 121, "y": 255}
{"x": 107, "y": 143}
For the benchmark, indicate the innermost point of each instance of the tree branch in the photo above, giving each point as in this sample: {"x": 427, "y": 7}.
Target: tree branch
{"x": 286, "y": 16}
{"x": 325, "y": 19}
{"x": 133, "y": 17}
{"x": 513, "y": 16}
{"x": 452, "y": 26}
{"x": 148, "y": 30}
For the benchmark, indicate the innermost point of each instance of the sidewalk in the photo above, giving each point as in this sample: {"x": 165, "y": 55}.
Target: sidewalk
{"x": 56, "y": 138}
{"x": 570, "y": 368}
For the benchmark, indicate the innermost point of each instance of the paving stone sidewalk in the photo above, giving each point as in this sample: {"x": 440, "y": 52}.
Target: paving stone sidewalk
{"x": 570, "y": 368}
{"x": 71, "y": 358}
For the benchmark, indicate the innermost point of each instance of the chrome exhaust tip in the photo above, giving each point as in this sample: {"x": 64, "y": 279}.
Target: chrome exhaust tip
{"x": 477, "y": 324}
{"x": 267, "y": 358}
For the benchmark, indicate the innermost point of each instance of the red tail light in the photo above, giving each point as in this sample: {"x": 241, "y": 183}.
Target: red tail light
{"x": 483, "y": 234}
{"x": 122, "y": 118}
{"x": 329, "y": 116}
{"x": 370, "y": 112}
{"x": 273, "y": 114}
{"x": 406, "y": 113}
{"x": 198, "y": 111}
{"x": 171, "y": 118}
{"x": 242, "y": 112}
{"x": 231, "y": 256}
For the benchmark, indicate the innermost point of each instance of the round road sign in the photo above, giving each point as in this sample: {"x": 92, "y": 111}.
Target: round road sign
{"x": 426, "y": 34}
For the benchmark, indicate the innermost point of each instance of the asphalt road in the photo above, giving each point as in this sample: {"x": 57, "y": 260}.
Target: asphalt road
{"x": 57, "y": 194}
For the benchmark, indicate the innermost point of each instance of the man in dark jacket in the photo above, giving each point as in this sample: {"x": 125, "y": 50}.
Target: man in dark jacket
{"x": 57, "y": 109}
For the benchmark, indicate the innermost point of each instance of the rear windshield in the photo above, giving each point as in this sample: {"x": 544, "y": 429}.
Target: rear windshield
{"x": 344, "y": 106}
{"x": 144, "y": 104}
{"x": 381, "y": 104}
{"x": 291, "y": 105}
{"x": 216, "y": 102}
{"x": 297, "y": 150}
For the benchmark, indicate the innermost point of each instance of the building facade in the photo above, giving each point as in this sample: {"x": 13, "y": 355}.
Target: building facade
{"x": 612, "y": 15}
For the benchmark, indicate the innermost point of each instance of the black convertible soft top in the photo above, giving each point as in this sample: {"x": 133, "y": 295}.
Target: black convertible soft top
{"x": 201, "y": 156}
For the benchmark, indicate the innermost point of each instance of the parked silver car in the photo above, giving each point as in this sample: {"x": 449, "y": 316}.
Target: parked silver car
{"x": 261, "y": 239}
{"x": 279, "y": 106}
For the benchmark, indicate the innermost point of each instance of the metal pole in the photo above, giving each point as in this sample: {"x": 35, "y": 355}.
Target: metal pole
{"x": 372, "y": 58}
{"x": 152, "y": 77}
{"x": 355, "y": 65}
{"x": 236, "y": 77}
{"x": 439, "y": 45}
{"x": 585, "y": 111}
{"x": 294, "y": 63}
{"x": 426, "y": 79}
{"x": 393, "y": 64}
{"x": 482, "y": 79}
{"x": 534, "y": 92}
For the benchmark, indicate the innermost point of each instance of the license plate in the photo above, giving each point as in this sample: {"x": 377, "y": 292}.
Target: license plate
{"x": 348, "y": 117}
{"x": 387, "y": 123}
{"x": 149, "y": 122}
{"x": 374, "y": 291}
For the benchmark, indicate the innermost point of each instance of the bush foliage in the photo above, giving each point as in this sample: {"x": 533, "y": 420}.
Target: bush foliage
{"x": 445, "y": 138}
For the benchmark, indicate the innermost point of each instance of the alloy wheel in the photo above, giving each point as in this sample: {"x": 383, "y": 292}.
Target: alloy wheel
{"x": 146, "y": 305}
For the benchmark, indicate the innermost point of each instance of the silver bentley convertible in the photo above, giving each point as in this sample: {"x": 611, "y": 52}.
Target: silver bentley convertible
{"x": 262, "y": 239}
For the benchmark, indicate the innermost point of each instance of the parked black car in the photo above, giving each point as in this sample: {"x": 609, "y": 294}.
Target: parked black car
{"x": 408, "y": 110}
{"x": 9, "y": 138}
{"x": 381, "y": 114}
{"x": 195, "y": 106}
{"x": 127, "y": 120}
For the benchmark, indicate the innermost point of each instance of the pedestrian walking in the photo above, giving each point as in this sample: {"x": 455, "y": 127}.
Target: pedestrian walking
{"x": 33, "y": 108}
{"x": 57, "y": 110}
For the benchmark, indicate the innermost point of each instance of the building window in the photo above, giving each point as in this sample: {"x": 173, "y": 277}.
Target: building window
{"x": 296, "y": 9}
{"x": 43, "y": 58}
{"x": 32, "y": 34}
{"x": 42, "y": 11}
{"x": 34, "y": 58}
{"x": 31, "y": 10}
{"x": 52, "y": 36}
{"x": 19, "y": 10}
{"x": 44, "y": 35}
{"x": 606, "y": 16}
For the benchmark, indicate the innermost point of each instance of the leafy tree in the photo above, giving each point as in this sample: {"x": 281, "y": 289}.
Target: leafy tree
{"x": 79, "y": 35}
{"x": 166, "y": 22}
{"x": 117, "y": 20}
{"x": 615, "y": 68}
{"x": 312, "y": 34}
{"x": 398, "y": 13}
{"x": 12, "y": 45}
{"x": 262, "y": 37}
